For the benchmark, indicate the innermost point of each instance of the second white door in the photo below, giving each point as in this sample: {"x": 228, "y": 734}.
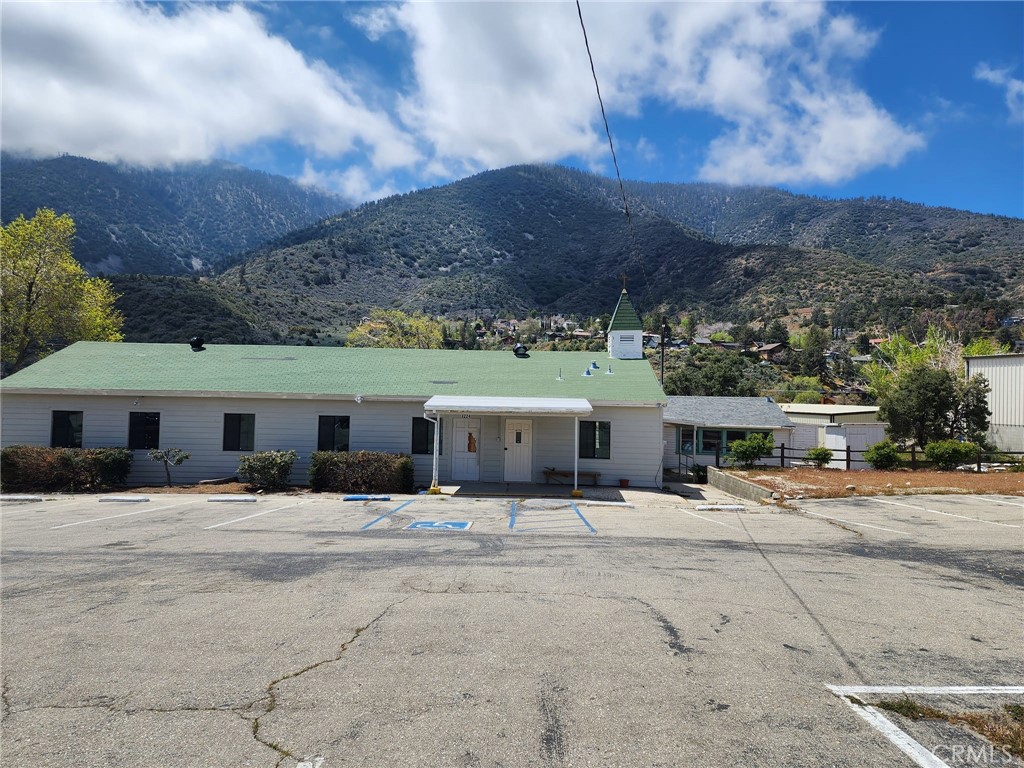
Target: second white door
{"x": 518, "y": 451}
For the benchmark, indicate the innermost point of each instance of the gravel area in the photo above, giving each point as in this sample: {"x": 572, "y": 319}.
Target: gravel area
{"x": 835, "y": 483}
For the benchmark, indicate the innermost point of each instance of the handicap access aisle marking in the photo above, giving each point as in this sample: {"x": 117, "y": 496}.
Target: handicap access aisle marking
{"x": 903, "y": 741}
{"x": 439, "y": 525}
{"x": 512, "y": 518}
{"x": 387, "y": 514}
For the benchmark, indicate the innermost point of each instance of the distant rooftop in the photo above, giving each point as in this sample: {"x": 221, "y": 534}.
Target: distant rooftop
{"x": 278, "y": 371}
{"x": 827, "y": 410}
{"x": 745, "y": 412}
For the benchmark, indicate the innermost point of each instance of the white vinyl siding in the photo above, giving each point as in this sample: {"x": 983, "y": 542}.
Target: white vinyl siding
{"x": 196, "y": 425}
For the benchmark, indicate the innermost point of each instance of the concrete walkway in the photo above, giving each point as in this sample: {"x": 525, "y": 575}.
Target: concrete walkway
{"x": 697, "y": 494}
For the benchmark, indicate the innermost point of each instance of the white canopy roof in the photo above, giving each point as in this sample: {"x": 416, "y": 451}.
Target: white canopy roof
{"x": 557, "y": 406}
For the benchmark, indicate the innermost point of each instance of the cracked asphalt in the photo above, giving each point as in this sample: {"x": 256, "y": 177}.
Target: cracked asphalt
{"x": 310, "y": 633}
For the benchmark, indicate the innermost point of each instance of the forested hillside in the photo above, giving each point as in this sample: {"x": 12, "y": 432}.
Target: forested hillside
{"x": 952, "y": 249}
{"x": 515, "y": 240}
{"x": 187, "y": 219}
{"x": 545, "y": 238}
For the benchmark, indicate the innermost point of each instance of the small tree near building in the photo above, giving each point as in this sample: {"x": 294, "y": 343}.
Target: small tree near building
{"x": 171, "y": 457}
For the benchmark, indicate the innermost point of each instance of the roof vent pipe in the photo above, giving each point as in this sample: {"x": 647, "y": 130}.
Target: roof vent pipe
{"x": 196, "y": 342}
{"x": 587, "y": 372}
{"x": 594, "y": 365}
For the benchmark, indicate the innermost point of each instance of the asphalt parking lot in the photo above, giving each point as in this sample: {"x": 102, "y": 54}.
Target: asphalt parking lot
{"x": 307, "y": 631}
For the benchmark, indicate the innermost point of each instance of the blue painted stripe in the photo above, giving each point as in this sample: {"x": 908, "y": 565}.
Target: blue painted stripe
{"x": 387, "y": 514}
{"x": 577, "y": 511}
{"x": 512, "y": 516}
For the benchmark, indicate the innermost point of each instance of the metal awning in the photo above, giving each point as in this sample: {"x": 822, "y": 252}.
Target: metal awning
{"x": 513, "y": 406}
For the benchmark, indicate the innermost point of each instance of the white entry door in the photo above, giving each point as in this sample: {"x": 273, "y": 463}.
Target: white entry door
{"x": 518, "y": 451}
{"x": 466, "y": 459}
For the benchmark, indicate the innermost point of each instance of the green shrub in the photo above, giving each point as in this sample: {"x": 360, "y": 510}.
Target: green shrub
{"x": 819, "y": 456}
{"x": 360, "y": 472}
{"x": 700, "y": 473}
{"x": 884, "y": 455}
{"x": 948, "y": 454}
{"x": 39, "y": 469}
{"x": 747, "y": 452}
{"x": 267, "y": 470}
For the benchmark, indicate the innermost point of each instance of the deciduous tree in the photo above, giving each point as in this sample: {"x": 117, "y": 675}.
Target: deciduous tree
{"x": 46, "y": 298}
{"x": 394, "y": 329}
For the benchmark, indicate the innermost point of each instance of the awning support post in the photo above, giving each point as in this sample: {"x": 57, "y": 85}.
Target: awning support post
{"x": 576, "y": 492}
{"x": 434, "y": 487}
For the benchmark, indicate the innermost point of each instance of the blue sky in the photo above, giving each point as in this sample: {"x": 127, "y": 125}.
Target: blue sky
{"x": 918, "y": 100}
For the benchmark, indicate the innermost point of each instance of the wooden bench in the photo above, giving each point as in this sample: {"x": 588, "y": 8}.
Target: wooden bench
{"x": 557, "y": 475}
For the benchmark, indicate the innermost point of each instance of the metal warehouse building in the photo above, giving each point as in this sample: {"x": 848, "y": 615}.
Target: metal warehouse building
{"x": 1005, "y": 374}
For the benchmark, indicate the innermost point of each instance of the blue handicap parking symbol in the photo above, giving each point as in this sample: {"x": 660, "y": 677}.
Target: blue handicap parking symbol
{"x": 439, "y": 525}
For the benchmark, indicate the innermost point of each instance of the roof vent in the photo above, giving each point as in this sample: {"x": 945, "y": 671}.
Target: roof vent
{"x": 609, "y": 372}
{"x": 594, "y": 365}
{"x": 196, "y": 342}
{"x": 587, "y": 372}
{"x": 519, "y": 350}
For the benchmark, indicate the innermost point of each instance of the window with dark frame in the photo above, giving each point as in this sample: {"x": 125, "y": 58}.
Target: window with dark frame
{"x": 595, "y": 439}
{"x": 239, "y": 431}
{"x": 711, "y": 440}
{"x": 143, "y": 430}
{"x": 423, "y": 436}
{"x": 332, "y": 433}
{"x": 66, "y": 429}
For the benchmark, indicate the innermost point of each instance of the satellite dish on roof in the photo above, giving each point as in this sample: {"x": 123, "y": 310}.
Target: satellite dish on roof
{"x": 196, "y": 342}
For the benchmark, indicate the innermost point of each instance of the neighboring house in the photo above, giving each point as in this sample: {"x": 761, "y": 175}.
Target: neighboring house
{"x": 699, "y": 428}
{"x": 503, "y": 418}
{"x": 1005, "y": 375}
{"x": 773, "y": 353}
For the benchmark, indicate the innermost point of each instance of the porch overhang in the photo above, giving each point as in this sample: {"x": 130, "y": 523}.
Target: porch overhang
{"x": 509, "y": 406}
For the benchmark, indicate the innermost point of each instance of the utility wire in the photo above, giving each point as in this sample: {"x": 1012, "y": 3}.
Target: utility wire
{"x": 615, "y": 160}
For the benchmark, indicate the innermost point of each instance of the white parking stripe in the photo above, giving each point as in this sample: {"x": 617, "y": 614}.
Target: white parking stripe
{"x": 716, "y": 522}
{"x": 941, "y": 690}
{"x": 851, "y": 522}
{"x": 249, "y": 517}
{"x": 126, "y": 514}
{"x": 903, "y": 741}
{"x": 949, "y": 514}
{"x": 1000, "y": 501}
{"x": 900, "y": 738}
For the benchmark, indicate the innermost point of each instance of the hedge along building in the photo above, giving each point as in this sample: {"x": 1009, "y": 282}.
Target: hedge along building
{"x": 503, "y": 418}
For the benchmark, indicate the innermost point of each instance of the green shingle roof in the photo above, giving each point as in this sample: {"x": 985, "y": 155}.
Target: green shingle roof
{"x": 102, "y": 367}
{"x": 625, "y": 318}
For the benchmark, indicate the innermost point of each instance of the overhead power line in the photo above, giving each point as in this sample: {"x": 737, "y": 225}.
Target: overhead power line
{"x": 615, "y": 160}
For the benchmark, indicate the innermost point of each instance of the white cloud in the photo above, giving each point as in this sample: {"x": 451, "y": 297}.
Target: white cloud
{"x": 502, "y": 83}
{"x": 133, "y": 83}
{"x": 375, "y": 22}
{"x": 353, "y": 183}
{"x": 1014, "y": 88}
{"x": 490, "y": 84}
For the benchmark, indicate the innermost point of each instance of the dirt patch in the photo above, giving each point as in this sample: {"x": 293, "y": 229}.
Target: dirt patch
{"x": 832, "y": 483}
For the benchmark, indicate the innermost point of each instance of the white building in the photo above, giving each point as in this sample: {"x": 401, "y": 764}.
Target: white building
{"x": 1005, "y": 375}
{"x": 504, "y": 417}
